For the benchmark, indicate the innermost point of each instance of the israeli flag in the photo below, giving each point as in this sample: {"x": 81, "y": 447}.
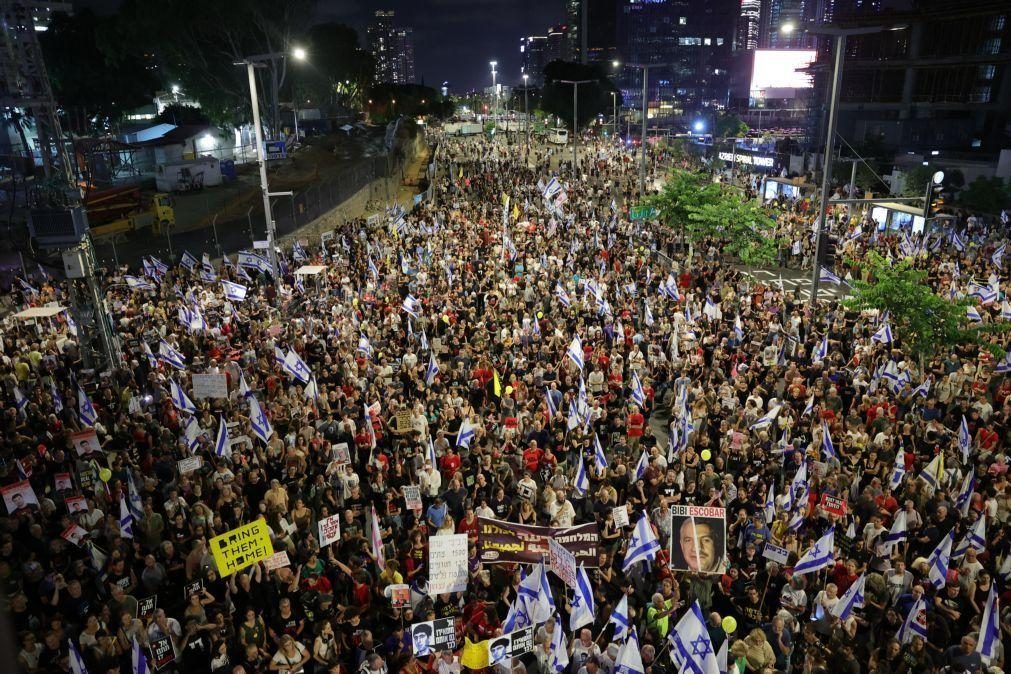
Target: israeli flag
{"x": 20, "y": 402}
{"x": 939, "y": 561}
{"x": 642, "y": 547}
{"x": 364, "y": 347}
{"x": 180, "y": 399}
{"x": 690, "y": 646}
{"x": 989, "y": 626}
{"x": 883, "y": 335}
{"x": 638, "y": 393}
{"x": 818, "y": 557}
{"x": 563, "y": 296}
{"x": 575, "y": 352}
{"x": 974, "y": 538}
{"x": 411, "y": 305}
{"x": 767, "y": 418}
{"x": 809, "y": 408}
{"x": 466, "y": 434}
{"x": 822, "y": 353}
{"x": 770, "y": 504}
{"x": 170, "y": 355}
{"x": 826, "y": 441}
{"x": 296, "y": 367}
{"x": 648, "y": 318}
{"x": 1004, "y": 365}
{"x": 915, "y": 623}
{"x": 964, "y": 499}
{"x": 258, "y": 421}
{"x": 599, "y": 458}
{"x": 923, "y": 390}
{"x": 57, "y": 398}
{"x": 76, "y": 661}
{"x": 432, "y": 371}
{"x": 234, "y": 292}
{"x": 188, "y": 261}
{"x": 298, "y": 253}
{"x": 518, "y": 617}
{"x": 958, "y": 242}
{"x": 895, "y": 535}
{"x": 85, "y": 410}
{"x": 826, "y": 276}
{"x": 558, "y": 660}
{"x": 851, "y": 599}
{"x": 138, "y": 283}
{"x": 619, "y": 618}
{"x": 998, "y": 255}
{"x": 973, "y": 314}
{"x": 222, "y": 445}
{"x": 798, "y": 487}
{"x": 898, "y": 471}
{"x": 933, "y": 472}
{"x": 964, "y": 439}
{"x": 136, "y": 503}
{"x": 640, "y": 468}
{"x": 582, "y": 601}
{"x": 629, "y": 660}
{"x": 1005, "y": 310}
{"x": 581, "y": 485}
{"x": 125, "y": 519}
{"x": 796, "y": 521}
{"x": 138, "y": 659}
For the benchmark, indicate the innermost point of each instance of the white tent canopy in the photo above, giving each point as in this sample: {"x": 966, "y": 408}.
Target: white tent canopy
{"x": 39, "y": 312}
{"x": 310, "y": 270}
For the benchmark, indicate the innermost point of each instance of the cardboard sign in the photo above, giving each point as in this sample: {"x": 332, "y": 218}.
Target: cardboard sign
{"x": 162, "y": 654}
{"x": 447, "y": 564}
{"x": 511, "y": 645}
{"x": 276, "y": 561}
{"x": 209, "y": 386}
{"x": 19, "y": 497}
{"x": 774, "y": 553}
{"x": 563, "y": 562}
{"x": 146, "y": 606}
{"x": 189, "y": 465}
{"x": 341, "y": 453}
{"x": 399, "y": 595}
{"x": 833, "y": 505}
{"x": 403, "y": 421}
{"x": 698, "y": 539}
{"x": 508, "y": 542}
{"x": 86, "y": 442}
{"x": 620, "y": 516}
{"x": 193, "y": 588}
{"x": 412, "y": 497}
{"x": 433, "y": 635}
{"x": 63, "y": 482}
{"x": 241, "y": 547}
{"x": 74, "y": 534}
{"x": 329, "y": 530}
{"x": 76, "y": 504}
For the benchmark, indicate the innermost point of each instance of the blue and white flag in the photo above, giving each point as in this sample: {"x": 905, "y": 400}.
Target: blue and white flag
{"x": 259, "y": 421}
{"x": 798, "y": 487}
{"x": 76, "y": 661}
{"x": 826, "y": 276}
{"x": 138, "y": 659}
{"x": 170, "y": 356}
{"x": 818, "y": 557}
{"x": 898, "y": 471}
{"x": 432, "y": 370}
{"x": 883, "y": 335}
{"x": 826, "y": 441}
{"x": 998, "y": 255}
{"x": 895, "y": 535}
{"x": 125, "y": 518}
{"x": 20, "y": 402}
{"x": 1003, "y": 366}
{"x": 973, "y": 314}
{"x": 466, "y": 433}
{"x": 767, "y": 418}
{"x": 648, "y": 315}
{"x": 738, "y": 328}
{"x": 958, "y": 242}
{"x": 152, "y": 360}
{"x": 599, "y": 458}
{"x": 822, "y": 353}
{"x": 640, "y": 467}
{"x": 411, "y": 305}
{"x": 135, "y": 502}
{"x": 770, "y": 503}
{"x": 915, "y": 623}
{"x": 187, "y": 260}
{"x": 583, "y": 609}
{"x": 234, "y": 292}
{"x": 989, "y": 626}
{"x": 180, "y": 399}
{"x": 253, "y": 261}
{"x": 923, "y": 390}
{"x": 192, "y": 433}
{"x": 296, "y": 367}
{"x": 939, "y": 561}
{"x": 638, "y": 393}
{"x": 809, "y": 408}
{"x": 562, "y": 296}
{"x": 690, "y": 646}
{"x": 139, "y": 283}
{"x": 642, "y": 546}
{"x": 222, "y": 446}
{"x": 619, "y": 618}
{"x": 558, "y": 660}
{"x": 57, "y": 398}
{"x": 851, "y": 599}
{"x": 575, "y": 352}
{"x": 581, "y": 484}
{"x": 85, "y": 410}
{"x": 964, "y": 499}
{"x": 629, "y": 660}
{"x": 974, "y": 538}
{"x": 964, "y": 440}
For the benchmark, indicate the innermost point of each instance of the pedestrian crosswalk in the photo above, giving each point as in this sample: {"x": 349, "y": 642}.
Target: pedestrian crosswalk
{"x": 793, "y": 280}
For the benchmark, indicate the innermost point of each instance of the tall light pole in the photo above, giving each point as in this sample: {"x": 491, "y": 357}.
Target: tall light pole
{"x": 526, "y": 107}
{"x": 575, "y": 119}
{"x": 838, "y": 36}
{"x": 614, "y": 103}
{"x": 494, "y": 100}
{"x": 251, "y": 64}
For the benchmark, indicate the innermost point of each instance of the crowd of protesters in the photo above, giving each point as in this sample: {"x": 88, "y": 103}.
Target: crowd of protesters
{"x": 503, "y": 283}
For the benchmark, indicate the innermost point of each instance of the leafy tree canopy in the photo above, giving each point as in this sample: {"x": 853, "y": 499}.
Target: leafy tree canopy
{"x": 593, "y": 97}
{"x": 339, "y": 69}
{"x": 986, "y": 195}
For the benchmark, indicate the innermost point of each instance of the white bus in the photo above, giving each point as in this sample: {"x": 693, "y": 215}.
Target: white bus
{"x": 559, "y": 136}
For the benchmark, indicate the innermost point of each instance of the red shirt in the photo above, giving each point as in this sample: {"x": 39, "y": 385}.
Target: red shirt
{"x": 532, "y": 458}
{"x": 634, "y": 423}
{"x": 448, "y": 465}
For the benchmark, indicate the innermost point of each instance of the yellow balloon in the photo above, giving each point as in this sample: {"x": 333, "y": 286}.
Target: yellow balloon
{"x": 540, "y": 314}
{"x": 706, "y": 455}
{"x": 509, "y": 390}
{"x": 354, "y": 301}
{"x": 729, "y": 624}
{"x": 105, "y": 475}
{"x": 445, "y": 317}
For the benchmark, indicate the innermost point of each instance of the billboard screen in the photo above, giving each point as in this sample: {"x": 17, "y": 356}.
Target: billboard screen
{"x": 775, "y": 73}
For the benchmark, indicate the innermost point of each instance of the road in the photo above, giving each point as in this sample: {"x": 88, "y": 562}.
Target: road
{"x": 796, "y": 279}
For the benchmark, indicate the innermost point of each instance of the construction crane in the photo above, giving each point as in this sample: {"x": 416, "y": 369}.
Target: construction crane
{"x": 57, "y": 220}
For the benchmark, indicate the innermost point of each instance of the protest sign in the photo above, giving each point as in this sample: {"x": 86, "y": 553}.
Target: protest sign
{"x": 209, "y": 386}
{"x": 620, "y": 516}
{"x": 833, "y": 505}
{"x": 447, "y": 564}
{"x": 508, "y": 542}
{"x": 403, "y": 421}
{"x": 19, "y": 497}
{"x": 774, "y": 553}
{"x": 512, "y": 645}
{"x": 276, "y": 561}
{"x": 162, "y": 654}
{"x": 433, "y": 635}
{"x": 74, "y": 534}
{"x": 146, "y": 606}
{"x": 241, "y": 547}
{"x": 76, "y": 504}
{"x": 563, "y": 562}
{"x": 86, "y": 442}
{"x": 189, "y": 465}
{"x": 341, "y": 453}
{"x": 399, "y": 595}
{"x": 329, "y": 530}
{"x": 699, "y": 539}
{"x": 62, "y": 482}
{"x": 412, "y": 497}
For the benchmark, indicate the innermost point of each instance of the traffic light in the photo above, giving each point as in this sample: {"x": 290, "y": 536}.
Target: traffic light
{"x": 827, "y": 244}
{"x": 935, "y": 200}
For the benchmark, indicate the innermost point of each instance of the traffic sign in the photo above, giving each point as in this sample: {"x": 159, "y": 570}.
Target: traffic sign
{"x": 642, "y": 212}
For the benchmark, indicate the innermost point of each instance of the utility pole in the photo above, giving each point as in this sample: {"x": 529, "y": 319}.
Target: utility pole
{"x": 642, "y": 158}
{"x": 575, "y": 119}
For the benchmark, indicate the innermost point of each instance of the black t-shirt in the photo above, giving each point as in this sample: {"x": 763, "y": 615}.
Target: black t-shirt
{"x": 197, "y": 654}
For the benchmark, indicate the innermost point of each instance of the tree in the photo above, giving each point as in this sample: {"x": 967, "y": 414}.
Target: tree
{"x": 180, "y": 115}
{"x": 411, "y": 100}
{"x": 923, "y": 322}
{"x": 96, "y": 77}
{"x": 340, "y": 69}
{"x": 986, "y": 195}
{"x": 914, "y": 180}
{"x": 594, "y": 97}
{"x": 866, "y": 179}
{"x": 731, "y": 126}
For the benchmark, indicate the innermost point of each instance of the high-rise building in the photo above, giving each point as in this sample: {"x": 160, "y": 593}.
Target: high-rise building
{"x": 575, "y": 37}
{"x": 748, "y": 24}
{"x": 558, "y": 45}
{"x": 690, "y": 43}
{"x": 533, "y": 50}
{"x": 392, "y": 49}
{"x": 602, "y": 30}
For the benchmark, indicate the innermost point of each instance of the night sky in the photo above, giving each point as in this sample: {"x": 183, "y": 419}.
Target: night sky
{"x": 453, "y": 39}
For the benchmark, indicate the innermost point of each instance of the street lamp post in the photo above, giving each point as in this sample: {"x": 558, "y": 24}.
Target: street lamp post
{"x": 251, "y": 64}
{"x": 526, "y": 106}
{"x": 494, "y": 100}
{"x": 575, "y": 120}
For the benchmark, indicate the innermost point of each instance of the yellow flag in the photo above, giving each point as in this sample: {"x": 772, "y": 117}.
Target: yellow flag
{"x": 474, "y": 656}
{"x": 497, "y": 385}
{"x": 505, "y": 200}
{"x": 460, "y": 174}
{"x": 516, "y": 212}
